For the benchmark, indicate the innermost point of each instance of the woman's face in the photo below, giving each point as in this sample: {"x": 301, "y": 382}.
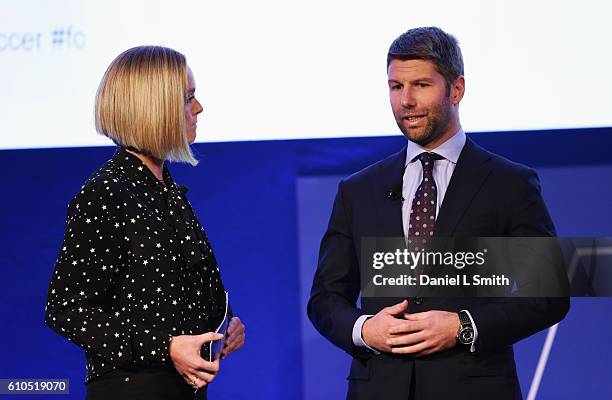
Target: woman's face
{"x": 192, "y": 108}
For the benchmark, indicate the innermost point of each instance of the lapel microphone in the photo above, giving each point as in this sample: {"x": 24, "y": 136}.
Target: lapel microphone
{"x": 394, "y": 192}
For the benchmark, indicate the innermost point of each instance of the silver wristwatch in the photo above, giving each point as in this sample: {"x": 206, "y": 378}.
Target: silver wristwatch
{"x": 465, "y": 335}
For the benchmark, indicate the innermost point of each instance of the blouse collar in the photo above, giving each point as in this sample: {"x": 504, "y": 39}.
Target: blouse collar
{"x": 136, "y": 167}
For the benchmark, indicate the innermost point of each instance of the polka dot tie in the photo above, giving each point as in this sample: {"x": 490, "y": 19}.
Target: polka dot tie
{"x": 423, "y": 210}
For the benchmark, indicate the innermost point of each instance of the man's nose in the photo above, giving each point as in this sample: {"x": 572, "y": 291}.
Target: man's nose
{"x": 408, "y": 100}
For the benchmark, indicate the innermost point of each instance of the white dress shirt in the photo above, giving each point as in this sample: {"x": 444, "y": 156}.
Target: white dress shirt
{"x": 413, "y": 175}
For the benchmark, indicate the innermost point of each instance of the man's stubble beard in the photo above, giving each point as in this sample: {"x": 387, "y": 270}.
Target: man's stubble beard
{"x": 438, "y": 120}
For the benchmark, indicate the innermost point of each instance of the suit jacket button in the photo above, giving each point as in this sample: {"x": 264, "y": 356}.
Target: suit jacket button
{"x": 418, "y": 301}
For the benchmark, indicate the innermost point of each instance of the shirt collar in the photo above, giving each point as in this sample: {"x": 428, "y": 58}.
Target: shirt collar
{"x": 134, "y": 166}
{"x": 450, "y": 149}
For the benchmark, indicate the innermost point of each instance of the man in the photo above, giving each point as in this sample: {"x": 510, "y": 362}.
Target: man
{"x": 409, "y": 348}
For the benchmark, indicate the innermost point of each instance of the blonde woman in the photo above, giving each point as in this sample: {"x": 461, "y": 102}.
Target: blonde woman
{"x": 136, "y": 284}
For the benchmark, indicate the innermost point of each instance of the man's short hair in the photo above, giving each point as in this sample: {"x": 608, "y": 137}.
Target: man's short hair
{"x": 432, "y": 44}
{"x": 140, "y": 103}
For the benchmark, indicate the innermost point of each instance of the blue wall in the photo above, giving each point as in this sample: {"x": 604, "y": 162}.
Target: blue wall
{"x": 248, "y": 196}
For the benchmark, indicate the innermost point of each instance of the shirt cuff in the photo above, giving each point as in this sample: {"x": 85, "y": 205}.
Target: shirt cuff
{"x": 473, "y": 346}
{"x": 357, "y": 338}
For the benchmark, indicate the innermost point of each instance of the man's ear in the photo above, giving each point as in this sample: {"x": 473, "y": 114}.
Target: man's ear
{"x": 457, "y": 90}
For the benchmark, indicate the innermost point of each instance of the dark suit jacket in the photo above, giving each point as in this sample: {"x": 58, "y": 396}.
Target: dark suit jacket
{"x": 488, "y": 196}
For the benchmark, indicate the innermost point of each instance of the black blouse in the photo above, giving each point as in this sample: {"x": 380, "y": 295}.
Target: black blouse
{"x": 135, "y": 269}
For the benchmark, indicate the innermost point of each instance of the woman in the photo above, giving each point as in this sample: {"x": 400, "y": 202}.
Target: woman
{"x": 136, "y": 284}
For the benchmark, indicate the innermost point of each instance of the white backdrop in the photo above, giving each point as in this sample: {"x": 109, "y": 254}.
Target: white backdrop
{"x": 272, "y": 69}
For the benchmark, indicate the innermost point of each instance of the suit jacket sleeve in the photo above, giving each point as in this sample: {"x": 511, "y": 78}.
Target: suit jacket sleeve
{"x": 332, "y": 306}
{"x": 502, "y": 322}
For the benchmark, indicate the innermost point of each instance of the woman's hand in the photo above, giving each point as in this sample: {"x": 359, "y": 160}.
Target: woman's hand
{"x": 235, "y": 337}
{"x": 185, "y": 354}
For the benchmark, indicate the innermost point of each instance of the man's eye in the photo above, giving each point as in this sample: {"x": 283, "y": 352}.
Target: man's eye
{"x": 422, "y": 85}
{"x": 396, "y": 87}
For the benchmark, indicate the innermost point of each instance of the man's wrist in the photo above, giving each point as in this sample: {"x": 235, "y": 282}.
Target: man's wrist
{"x": 363, "y": 339}
{"x": 465, "y": 332}
{"x": 473, "y": 346}
{"x": 456, "y": 327}
{"x": 357, "y": 334}
{"x": 364, "y": 328}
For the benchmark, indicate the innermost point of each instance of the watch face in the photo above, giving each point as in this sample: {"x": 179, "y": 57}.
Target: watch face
{"x": 466, "y": 336}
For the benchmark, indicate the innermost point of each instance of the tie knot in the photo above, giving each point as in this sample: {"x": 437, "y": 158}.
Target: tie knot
{"x": 428, "y": 159}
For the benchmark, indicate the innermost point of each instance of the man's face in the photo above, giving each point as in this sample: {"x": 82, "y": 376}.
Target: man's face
{"x": 422, "y": 110}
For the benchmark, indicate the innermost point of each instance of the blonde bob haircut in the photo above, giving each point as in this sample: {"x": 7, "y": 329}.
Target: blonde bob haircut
{"x": 140, "y": 103}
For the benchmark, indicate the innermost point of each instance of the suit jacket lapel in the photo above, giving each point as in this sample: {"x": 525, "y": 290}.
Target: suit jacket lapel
{"x": 389, "y": 209}
{"x": 469, "y": 175}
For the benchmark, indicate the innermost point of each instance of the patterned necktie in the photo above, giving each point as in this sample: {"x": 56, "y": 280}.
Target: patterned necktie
{"x": 423, "y": 210}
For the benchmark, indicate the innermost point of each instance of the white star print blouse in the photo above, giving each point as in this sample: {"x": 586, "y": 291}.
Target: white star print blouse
{"x": 135, "y": 269}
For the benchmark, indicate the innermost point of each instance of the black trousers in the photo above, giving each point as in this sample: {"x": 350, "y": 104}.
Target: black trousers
{"x": 143, "y": 384}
